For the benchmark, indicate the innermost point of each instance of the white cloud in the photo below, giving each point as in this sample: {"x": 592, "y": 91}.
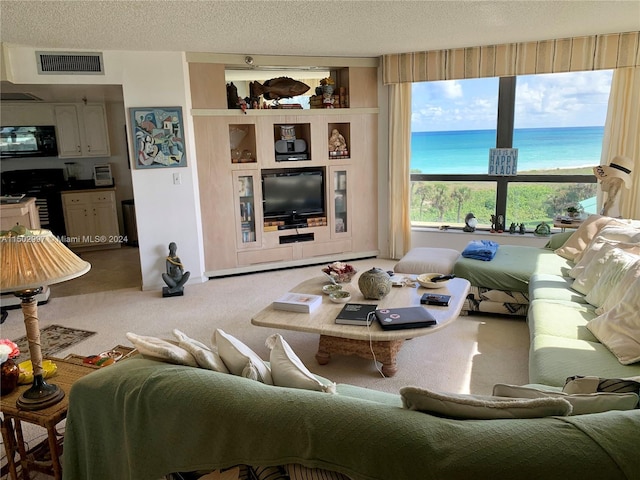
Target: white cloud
{"x": 452, "y": 89}
{"x": 551, "y": 100}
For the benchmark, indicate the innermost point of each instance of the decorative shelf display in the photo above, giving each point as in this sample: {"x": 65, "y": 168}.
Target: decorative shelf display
{"x": 242, "y": 140}
{"x": 292, "y": 142}
{"x": 339, "y": 140}
{"x": 247, "y": 209}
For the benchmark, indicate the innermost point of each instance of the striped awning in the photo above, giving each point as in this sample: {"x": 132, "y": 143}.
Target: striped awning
{"x": 596, "y": 52}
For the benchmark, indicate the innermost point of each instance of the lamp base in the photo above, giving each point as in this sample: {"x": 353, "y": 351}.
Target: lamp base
{"x": 40, "y": 395}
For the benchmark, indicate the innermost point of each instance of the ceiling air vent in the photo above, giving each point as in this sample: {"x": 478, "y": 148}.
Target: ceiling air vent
{"x": 18, "y": 97}
{"x": 71, "y": 63}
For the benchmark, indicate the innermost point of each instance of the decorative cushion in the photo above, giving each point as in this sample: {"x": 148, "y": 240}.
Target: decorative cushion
{"x": 426, "y": 259}
{"x": 582, "y": 403}
{"x": 300, "y": 472}
{"x": 588, "y": 384}
{"x": 579, "y": 240}
{"x": 240, "y": 359}
{"x": 621, "y": 289}
{"x": 619, "y": 328}
{"x": 587, "y": 279}
{"x": 613, "y": 273}
{"x": 481, "y": 406}
{"x": 275, "y": 472}
{"x": 205, "y": 357}
{"x": 287, "y": 370}
{"x": 159, "y": 349}
{"x": 557, "y": 240}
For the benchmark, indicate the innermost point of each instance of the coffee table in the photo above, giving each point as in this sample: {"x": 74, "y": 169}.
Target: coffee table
{"x": 358, "y": 340}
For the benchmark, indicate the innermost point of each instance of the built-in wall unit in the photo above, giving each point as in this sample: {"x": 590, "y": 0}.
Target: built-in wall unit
{"x": 273, "y": 191}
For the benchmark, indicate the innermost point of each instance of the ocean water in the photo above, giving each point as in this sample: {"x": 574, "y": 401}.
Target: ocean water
{"x": 467, "y": 151}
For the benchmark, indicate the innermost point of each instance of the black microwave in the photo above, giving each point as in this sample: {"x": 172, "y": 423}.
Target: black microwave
{"x": 38, "y": 141}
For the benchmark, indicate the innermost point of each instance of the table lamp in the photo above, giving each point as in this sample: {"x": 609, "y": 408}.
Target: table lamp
{"x": 30, "y": 260}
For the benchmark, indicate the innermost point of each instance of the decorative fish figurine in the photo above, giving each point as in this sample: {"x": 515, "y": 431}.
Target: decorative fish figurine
{"x": 276, "y": 88}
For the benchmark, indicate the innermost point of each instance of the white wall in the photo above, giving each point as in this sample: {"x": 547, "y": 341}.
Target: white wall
{"x": 165, "y": 212}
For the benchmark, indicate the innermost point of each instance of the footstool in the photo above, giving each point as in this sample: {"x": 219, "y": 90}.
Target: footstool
{"x": 427, "y": 260}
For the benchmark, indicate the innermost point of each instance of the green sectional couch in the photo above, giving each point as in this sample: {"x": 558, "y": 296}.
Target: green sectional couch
{"x": 141, "y": 419}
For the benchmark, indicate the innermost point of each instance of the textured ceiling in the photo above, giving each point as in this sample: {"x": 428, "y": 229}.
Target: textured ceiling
{"x": 318, "y": 28}
{"x": 300, "y": 28}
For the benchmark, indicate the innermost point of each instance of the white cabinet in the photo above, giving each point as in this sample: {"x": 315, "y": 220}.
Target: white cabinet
{"x": 82, "y": 130}
{"x": 91, "y": 219}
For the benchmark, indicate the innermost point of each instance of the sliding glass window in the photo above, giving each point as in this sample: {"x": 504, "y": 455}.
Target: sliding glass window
{"x": 556, "y": 122}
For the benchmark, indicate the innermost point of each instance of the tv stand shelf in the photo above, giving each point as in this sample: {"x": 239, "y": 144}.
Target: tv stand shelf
{"x": 300, "y": 237}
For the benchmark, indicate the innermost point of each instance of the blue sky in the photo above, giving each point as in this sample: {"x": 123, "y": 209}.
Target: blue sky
{"x": 575, "y": 99}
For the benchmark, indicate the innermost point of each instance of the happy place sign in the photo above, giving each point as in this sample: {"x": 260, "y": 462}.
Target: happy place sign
{"x": 503, "y": 161}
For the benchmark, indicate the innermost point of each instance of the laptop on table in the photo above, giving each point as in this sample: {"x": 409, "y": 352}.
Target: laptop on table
{"x": 405, "y": 317}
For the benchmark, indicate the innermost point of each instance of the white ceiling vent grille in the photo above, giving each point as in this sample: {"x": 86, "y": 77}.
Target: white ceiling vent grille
{"x": 72, "y": 63}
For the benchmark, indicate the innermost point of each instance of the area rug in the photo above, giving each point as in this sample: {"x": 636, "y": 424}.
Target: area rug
{"x": 53, "y": 339}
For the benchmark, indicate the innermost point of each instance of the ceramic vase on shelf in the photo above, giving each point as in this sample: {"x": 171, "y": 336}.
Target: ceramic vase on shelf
{"x": 9, "y": 374}
{"x": 328, "y": 89}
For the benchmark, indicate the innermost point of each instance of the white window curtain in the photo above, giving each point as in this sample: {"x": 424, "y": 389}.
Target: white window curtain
{"x": 622, "y": 135}
{"x": 399, "y": 169}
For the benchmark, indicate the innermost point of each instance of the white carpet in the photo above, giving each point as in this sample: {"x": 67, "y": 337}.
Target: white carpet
{"x": 470, "y": 355}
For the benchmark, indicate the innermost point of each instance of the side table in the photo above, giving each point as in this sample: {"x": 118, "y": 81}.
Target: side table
{"x": 48, "y": 418}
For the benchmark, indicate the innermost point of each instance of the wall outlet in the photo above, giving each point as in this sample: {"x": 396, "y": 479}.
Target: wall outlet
{"x": 177, "y": 179}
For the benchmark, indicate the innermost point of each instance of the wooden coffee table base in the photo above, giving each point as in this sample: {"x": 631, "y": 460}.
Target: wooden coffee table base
{"x": 385, "y": 351}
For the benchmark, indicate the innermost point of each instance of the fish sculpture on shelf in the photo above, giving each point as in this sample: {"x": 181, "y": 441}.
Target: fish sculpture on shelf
{"x": 277, "y": 88}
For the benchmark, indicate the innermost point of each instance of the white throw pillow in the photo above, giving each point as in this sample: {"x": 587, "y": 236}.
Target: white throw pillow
{"x": 159, "y": 349}
{"x": 589, "y": 253}
{"x": 586, "y": 280}
{"x": 240, "y": 359}
{"x": 582, "y": 403}
{"x": 621, "y": 289}
{"x": 205, "y": 357}
{"x": 481, "y": 406}
{"x": 613, "y": 273}
{"x": 287, "y": 370}
{"x": 619, "y": 328}
{"x": 589, "y": 228}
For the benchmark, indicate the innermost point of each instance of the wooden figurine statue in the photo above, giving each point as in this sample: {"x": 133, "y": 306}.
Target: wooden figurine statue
{"x": 175, "y": 277}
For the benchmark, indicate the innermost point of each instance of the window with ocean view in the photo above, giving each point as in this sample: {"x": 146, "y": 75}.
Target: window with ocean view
{"x": 556, "y": 121}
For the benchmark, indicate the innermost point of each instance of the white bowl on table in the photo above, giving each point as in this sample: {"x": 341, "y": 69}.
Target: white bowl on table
{"x": 425, "y": 280}
{"x": 341, "y": 296}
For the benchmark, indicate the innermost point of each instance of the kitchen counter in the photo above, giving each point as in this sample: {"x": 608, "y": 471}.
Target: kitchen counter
{"x": 25, "y": 212}
{"x": 82, "y": 185}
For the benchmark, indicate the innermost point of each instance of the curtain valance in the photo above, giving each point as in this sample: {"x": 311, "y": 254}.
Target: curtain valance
{"x": 596, "y": 52}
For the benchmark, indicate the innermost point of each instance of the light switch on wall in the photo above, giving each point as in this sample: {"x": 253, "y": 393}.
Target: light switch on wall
{"x": 177, "y": 179}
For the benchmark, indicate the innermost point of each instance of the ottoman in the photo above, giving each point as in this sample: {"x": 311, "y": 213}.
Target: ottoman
{"x": 427, "y": 260}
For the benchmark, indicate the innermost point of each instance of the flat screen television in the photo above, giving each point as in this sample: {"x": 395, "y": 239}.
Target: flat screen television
{"x": 293, "y": 192}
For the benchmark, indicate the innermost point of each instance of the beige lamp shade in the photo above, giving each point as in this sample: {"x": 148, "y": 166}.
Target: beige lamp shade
{"x": 35, "y": 259}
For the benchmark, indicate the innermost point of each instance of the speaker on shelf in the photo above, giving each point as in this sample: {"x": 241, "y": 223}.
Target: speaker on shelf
{"x": 291, "y": 146}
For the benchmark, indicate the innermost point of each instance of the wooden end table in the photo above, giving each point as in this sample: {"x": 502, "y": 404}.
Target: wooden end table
{"x": 48, "y": 418}
{"x": 357, "y": 340}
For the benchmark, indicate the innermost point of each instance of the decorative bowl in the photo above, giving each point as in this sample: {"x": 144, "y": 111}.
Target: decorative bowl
{"x": 331, "y": 288}
{"x": 341, "y": 296}
{"x": 339, "y": 272}
{"x": 425, "y": 280}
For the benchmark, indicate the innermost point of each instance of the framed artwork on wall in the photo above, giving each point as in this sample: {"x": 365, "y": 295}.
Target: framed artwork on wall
{"x": 158, "y": 137}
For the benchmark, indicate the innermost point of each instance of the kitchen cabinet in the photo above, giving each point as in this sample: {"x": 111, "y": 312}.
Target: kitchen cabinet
{"x": 23, "y": 213}
{"x": 91, "y": 219}
{"x": 82, "y": 130}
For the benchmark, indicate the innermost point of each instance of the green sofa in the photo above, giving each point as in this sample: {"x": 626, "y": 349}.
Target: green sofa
{"x": 141, "y": 419}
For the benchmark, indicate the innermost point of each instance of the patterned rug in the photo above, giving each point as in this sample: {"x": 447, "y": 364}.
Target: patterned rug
{"x": 54, "y": 339}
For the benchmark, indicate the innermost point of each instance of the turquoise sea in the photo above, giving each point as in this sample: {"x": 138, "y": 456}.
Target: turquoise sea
{"x": 467, "y": 151}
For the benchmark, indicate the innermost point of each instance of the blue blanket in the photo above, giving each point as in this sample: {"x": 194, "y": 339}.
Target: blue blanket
{"x": 481, "y": 250}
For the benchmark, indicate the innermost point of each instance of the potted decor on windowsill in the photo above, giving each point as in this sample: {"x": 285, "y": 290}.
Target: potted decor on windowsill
{"x": 575, "y": 211}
